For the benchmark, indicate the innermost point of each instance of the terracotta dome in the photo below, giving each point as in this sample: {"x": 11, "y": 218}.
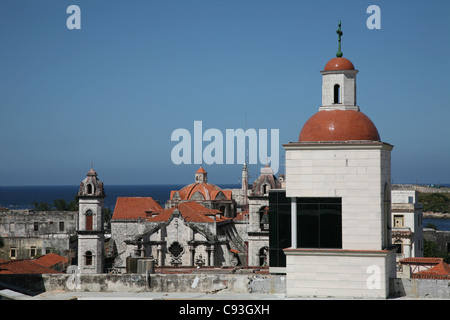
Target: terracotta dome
{"x": 339, "y": 64}
{"x": 200, "y": 191}
{"x": 339, "y": 125}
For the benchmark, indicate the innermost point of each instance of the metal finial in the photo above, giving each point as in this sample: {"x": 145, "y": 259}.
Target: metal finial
{"x": 340, "y": 33}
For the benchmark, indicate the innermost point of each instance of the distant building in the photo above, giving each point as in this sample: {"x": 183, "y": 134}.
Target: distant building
{"x": 90, "y": 229}
{"x": 207, "y": 194}
{"x": 259, "y": 221}
{"x": 186, "y": 234}
{"x": 28, "y": 234}
{"x": 407, "y": 223}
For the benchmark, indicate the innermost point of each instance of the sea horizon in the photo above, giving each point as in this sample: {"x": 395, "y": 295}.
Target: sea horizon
{"x": 23, "y": 197}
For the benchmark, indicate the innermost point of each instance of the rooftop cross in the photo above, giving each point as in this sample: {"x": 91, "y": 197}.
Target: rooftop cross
{"x": 340, "y": 33}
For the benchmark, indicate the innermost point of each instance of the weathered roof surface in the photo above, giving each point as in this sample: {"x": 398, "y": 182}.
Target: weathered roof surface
{"x": 191, "y": 212}
{"x": 135, "y": 207}
{"x": 208, "y": 191}
{"x": 439, "y": 271}
{"x": 50, "y": 259}
{"x": 24, "y": 267}
{"x": 421, "y": 260}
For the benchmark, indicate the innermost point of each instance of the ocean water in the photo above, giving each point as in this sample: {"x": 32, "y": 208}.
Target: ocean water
{"x": 441, "y": 224}
{"x": 24, "y": 197}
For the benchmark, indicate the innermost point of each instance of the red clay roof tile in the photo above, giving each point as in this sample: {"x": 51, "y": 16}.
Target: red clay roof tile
{"x": 24, "y": 267}
{"x": 50, "y": 260}
{"x": 135, "y": 207}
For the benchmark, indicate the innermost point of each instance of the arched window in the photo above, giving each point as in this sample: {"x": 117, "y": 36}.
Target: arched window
{"x": 90, "y": 189}
{"x": 399, "y": 244}
{"x": 89, "y": 220}
{"x": 337, "y": 93}
{"x": 88, "y": 258}
{"x": 264, "y": 218}
{"x": 263, "y": 255}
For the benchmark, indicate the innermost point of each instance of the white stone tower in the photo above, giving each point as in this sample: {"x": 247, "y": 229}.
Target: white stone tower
{"x": 90, "y": 224}
{"x": 338, "y": 178}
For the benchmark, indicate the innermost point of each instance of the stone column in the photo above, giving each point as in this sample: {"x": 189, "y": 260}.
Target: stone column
{"x": 160, "y": 255}
{"x": 213, "y": 255}
{"x": 208, "y": 254}
{"x": 192, "y": 255}
{"x": 407, "y": 249}
{"x": 294, "y": 223}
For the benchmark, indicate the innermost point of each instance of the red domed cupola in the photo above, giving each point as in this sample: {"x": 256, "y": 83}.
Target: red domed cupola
{"x": 339, "y": 63}
{"x": 339, "y": 125}
{"x": 339, "y": 118}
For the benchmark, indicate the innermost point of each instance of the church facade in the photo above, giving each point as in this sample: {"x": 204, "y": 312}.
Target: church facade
{"x": 194, "y": 229}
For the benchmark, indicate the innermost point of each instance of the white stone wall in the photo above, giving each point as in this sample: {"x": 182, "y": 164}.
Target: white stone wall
{"x": 403, "y": 196}
{"x": 339, "y": 274}
{"x": 347, "y": 83}
{"x": 357, "y": 174}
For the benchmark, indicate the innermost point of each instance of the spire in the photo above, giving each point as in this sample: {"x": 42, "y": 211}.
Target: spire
{"x": 340, "y": 33}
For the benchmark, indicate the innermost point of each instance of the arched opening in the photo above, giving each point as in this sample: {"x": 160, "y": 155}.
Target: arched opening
{"x": 263, "y": 257}
{"x": 90, "y": 189}
{"x": 88, "y": 258}
{"x": 89, "y": 220}
{"x": 264, "y": 218}
{"x": 337, "y": 93}
{"x": 399, "y": 244}
{"x": 265, "y": 188}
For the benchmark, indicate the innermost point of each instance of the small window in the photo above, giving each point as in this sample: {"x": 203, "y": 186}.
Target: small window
{"x": 61, "y": 226}
{"x": 89, "y": 220}
{"x": 33, "y": 252}
{"x": 13, "y": 253}
{"x": 399, "y": 221}
{"x": 36, "y": 226}
{"x": 399, "y": 245}
{"x": 337, "y": 93}
{"x": 88, "y": 258}
{"x": 90, "y": 189}
{"x": 12, "y": 227}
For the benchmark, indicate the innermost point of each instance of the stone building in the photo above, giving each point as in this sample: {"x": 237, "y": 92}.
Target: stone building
{"x": 338, "y": 177}
{"x": 258, "y": 210}
{"x": 90, "y": 230}
{"x": 27, "y": 234}
{"x": 407, "y": 224}
{"x": 186, "y": 234}
{"x": 205, "y": 193}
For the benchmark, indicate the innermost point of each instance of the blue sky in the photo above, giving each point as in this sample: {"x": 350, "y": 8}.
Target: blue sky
{"x": 115, "y": 90}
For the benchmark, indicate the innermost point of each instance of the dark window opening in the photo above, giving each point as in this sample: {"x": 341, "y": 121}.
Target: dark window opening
{"x": 263, "y": 256}
{"x": 337, "y": 93}
{"x": 319, "y": 223}
{"x": 88, "y": 258}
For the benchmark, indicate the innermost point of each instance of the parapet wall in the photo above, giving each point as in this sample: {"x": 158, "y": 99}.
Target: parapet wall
{"x": 197, "y": 283}
{"x": 189, "y": 283}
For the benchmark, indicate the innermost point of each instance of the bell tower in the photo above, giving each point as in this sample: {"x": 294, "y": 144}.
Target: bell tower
{"x": 90, "y": 230}
{"x": 339, "y": 82}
